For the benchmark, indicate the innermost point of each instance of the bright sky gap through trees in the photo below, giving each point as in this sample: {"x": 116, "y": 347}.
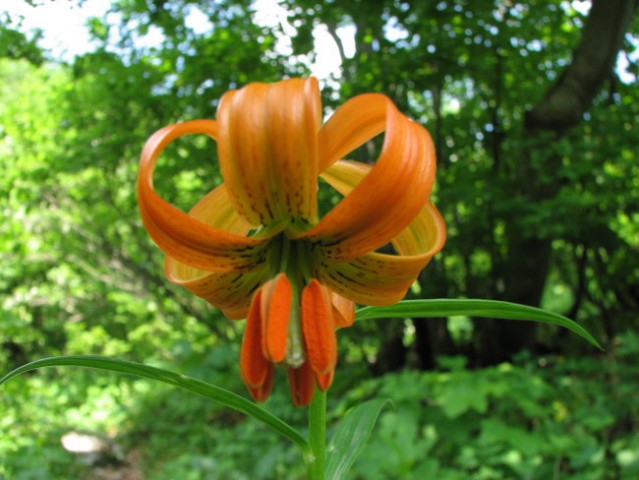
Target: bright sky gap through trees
{"x": 65, "y": 33}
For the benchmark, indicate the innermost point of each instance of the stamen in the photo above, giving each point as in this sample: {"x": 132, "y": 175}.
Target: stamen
{"x": 319, "y": 328}
{"x": 292, "y": 263}
{"x": 261, "y": 394}
{"x": 276, "y": 318}
{"x": 253, "y": 366}
{"x": 302, "y": 384}
{"x": 324, "y": 380}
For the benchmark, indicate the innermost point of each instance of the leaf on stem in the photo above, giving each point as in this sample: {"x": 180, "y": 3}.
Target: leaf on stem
{"x": 473, "y": 308}
{"x": 351, "y": 436}
{"x": 193, "y": 385}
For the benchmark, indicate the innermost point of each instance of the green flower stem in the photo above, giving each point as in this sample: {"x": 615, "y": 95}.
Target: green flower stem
{"x": 317, "y": 436}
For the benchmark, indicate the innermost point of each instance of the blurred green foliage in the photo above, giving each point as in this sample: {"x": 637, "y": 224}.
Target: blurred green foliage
{"x": 538, "y": 418}
{"x": 80, "y": 276}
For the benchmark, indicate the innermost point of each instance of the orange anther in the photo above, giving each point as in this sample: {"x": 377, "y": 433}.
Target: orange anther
{"x": 262, "y": 393}
{"x": 253, "y": 366}
{"x": 324, "y": 380}
{"x": 302, "y": 383}
{"x": 318, "y": 328}
{"x": 276, "y": 311}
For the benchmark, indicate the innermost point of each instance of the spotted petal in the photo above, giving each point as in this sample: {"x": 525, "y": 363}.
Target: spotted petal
{"x": 230, "y": 291}
{"x": 376, "y": 278}
{"x": 389, "y": 196}
{"x": 268, "y": 150}
{"x": 184, "y": 237}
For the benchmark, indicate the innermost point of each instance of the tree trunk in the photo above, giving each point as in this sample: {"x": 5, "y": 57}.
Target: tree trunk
{"x": 562, "y": 107}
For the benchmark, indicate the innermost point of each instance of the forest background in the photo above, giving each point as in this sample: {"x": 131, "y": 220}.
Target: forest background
{"x": 533, "y": 107}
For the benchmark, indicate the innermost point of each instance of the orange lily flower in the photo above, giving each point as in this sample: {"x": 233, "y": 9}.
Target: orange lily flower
{"x": 255, "y": 246}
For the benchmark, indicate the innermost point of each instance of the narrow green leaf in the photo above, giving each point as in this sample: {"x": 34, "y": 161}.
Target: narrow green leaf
{"x": 473, "y": 308}
{"x": 350, "y": 438}
{"x": 221, "y": 395}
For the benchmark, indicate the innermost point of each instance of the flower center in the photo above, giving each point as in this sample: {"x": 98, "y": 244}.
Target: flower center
{"x": 293, "y": 259}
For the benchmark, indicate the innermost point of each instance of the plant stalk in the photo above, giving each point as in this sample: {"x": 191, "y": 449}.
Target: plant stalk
{"x": 317, "y": 436}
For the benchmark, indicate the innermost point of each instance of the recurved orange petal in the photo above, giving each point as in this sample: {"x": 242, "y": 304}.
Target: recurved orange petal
{"x": 343, "y": 310}
{"x": 230, "y": 291}
{"x": 268, "y": 150}
{"x": 383, "y": 279}
{"x": 353, "y": 124}
{"x": 217, "y": 210}
{"x": 182, "y": 236}
{"x": 390, "y": 195}
{"x": 424, "y": 235}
